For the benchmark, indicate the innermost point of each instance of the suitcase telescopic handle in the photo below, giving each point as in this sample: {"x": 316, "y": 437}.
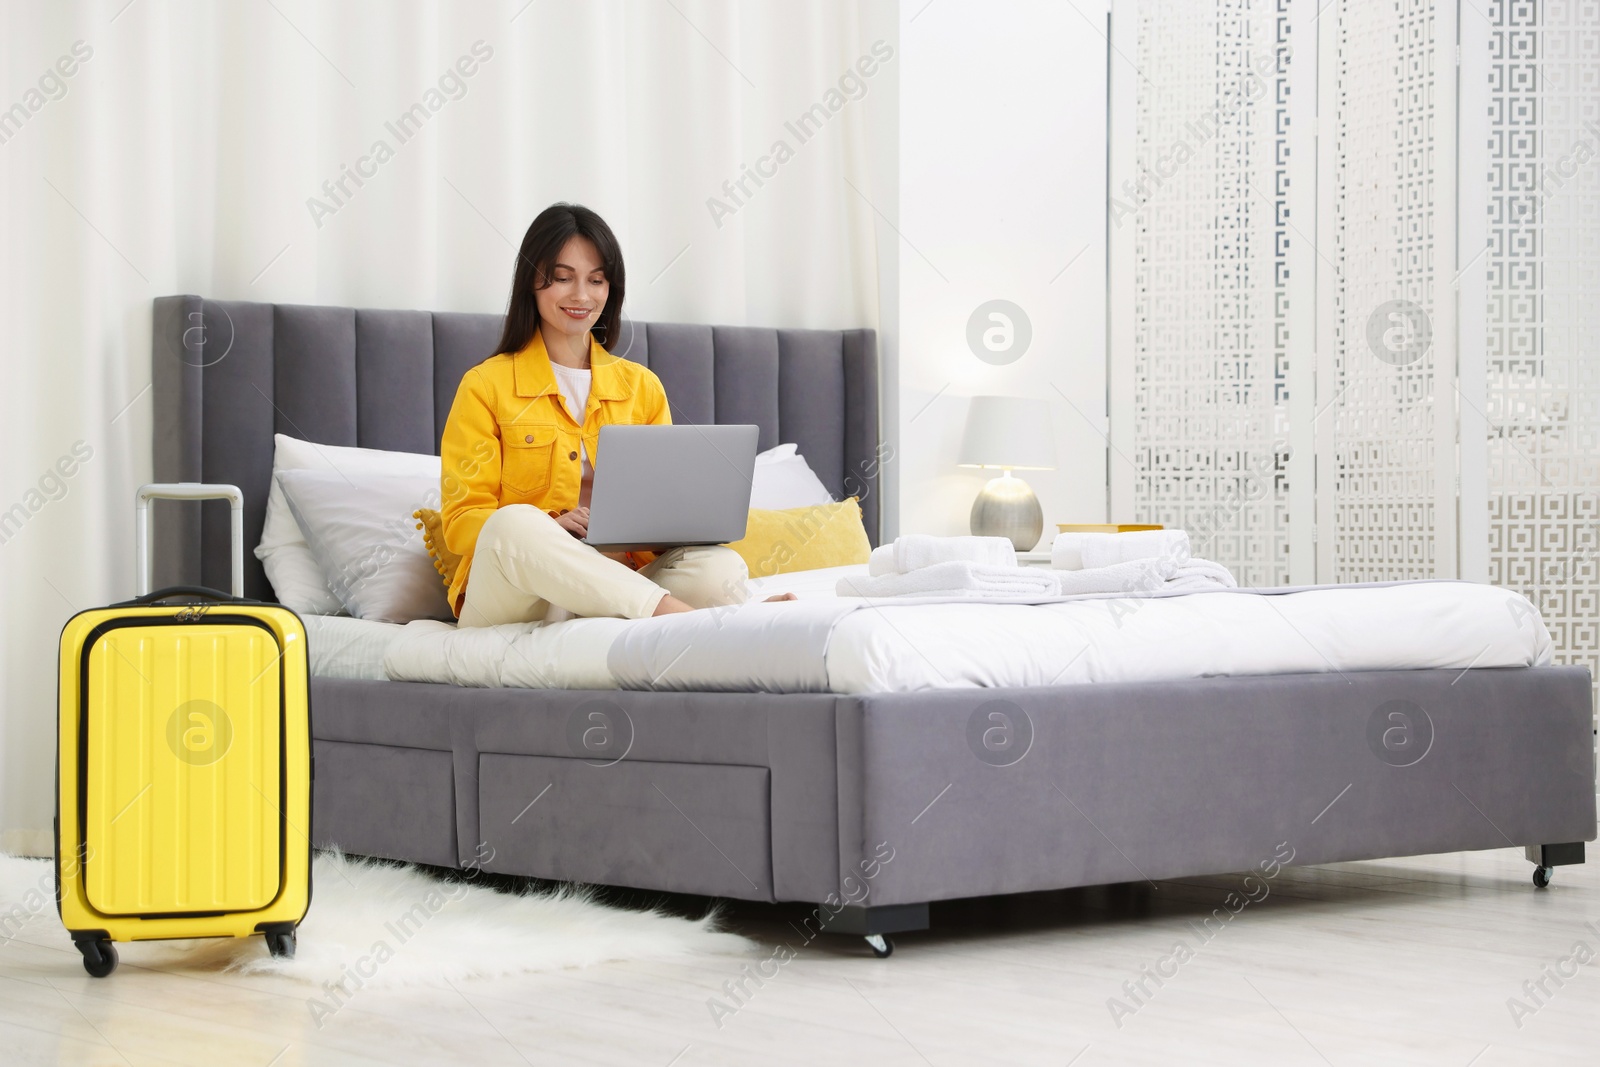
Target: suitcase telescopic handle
{"x": 188, "y": 491}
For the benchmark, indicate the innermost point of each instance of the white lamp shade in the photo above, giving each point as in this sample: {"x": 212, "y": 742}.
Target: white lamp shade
{"x": 1008, "y": 431}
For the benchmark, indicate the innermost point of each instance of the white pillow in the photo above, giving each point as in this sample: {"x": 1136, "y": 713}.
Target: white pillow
{"x": 368, "y": 545}
{"x": 783, "y": 479}
{"x": 296, "y": 577}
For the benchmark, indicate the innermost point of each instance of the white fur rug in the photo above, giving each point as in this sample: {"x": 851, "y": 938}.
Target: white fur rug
{"x": 393, "y": 925}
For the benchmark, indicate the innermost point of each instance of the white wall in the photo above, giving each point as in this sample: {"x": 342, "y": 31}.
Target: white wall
{"x": 1002, "y": 183}
{"x": 179, "y": 155}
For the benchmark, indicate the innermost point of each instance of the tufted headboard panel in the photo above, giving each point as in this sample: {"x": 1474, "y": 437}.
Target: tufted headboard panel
{"x": 230, "y": 374}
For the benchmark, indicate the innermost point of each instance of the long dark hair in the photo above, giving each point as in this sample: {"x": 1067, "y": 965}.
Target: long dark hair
{"x": 536, "y": 259}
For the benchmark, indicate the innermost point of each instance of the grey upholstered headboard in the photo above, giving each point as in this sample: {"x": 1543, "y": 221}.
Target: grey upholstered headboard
{"x": 230, "y": 374}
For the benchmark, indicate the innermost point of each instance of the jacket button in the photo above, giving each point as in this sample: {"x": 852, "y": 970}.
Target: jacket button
{"x": 529, "y": 439}
{"x": 572, "y": 455}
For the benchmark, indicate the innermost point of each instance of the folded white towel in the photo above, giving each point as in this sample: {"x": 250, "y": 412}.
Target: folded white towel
{"x": 1134, "y": 577}
{"x": 913, "y": 551}
{"x": 1087, "y": 551}
{"x": 955, "y": 578}
{"x": 963, "y": 578}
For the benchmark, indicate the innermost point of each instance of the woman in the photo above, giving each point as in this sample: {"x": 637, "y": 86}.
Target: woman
{"x": 520, "y": 443}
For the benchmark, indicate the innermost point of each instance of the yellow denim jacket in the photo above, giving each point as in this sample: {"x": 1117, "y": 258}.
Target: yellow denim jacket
{"x": 510, "y": 439}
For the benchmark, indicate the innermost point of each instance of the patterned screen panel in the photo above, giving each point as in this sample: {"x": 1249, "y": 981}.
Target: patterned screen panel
{"x": 1544, "y": 314}
{"x": 1382, "y": 399}
{"x": 1210, "y": 291}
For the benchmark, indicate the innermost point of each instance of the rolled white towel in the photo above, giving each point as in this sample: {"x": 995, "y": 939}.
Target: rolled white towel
{"x": 955, "y": 578}
{"x": 1087, "y": 551}
{"x": 1195, "y": 573}
{"x": 913, "y": 551}
{"x": 1066, "y": 552}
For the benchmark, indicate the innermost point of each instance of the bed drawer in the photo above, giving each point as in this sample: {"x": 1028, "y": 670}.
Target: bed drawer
{"x": 678, "y": 827}
{"x": 378, "y": 800}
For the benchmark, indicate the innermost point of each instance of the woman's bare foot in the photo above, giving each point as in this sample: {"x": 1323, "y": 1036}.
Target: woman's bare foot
{"x": 671, "y": 605}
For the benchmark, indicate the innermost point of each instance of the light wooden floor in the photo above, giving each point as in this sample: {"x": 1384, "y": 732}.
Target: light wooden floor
{"x": 1402, "y": 961}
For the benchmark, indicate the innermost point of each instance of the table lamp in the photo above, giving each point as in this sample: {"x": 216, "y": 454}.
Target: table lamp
{"x": 1009, "y": 433}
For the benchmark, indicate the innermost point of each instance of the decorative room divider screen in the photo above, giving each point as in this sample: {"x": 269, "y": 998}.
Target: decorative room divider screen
{"x": 1355, "y": 290}
{"x": 1537, "y": 313}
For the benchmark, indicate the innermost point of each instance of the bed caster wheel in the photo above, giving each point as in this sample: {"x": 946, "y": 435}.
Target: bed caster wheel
{"x": 1542, "y": 876}
{"x": 99, "y": 957}
{"x": 281, "y": 944}
{"x": 880, "y": 945}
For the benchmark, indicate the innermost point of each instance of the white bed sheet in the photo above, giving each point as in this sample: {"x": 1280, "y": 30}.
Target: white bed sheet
{"x": 342, "y": 647}
{"x": 560, "y": 655}
{"x": 845, "y": 645}
{"x": 1452, "y": 625}
{"x": 564, "y": 655}
{"x": 805, "y": 584}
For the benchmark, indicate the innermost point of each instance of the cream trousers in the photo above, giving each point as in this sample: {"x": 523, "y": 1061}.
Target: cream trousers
{"x": 527, "y": 568}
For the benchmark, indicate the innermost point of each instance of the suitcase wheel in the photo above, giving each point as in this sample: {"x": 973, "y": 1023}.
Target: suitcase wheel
{"x": 99, "y": 957}
{"x": 281, "y": 943}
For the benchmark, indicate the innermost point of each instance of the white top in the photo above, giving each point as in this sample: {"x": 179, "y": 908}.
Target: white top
{"x": 574, "y": 387}
{"x": 573, "y": 384}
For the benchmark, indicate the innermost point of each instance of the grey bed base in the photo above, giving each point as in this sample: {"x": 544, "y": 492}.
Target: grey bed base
{"x": 870, "y": 806}
{"x": 882, "y": 802}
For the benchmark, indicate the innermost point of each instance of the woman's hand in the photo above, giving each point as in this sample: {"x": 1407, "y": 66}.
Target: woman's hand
{"x": 575, "y": 522}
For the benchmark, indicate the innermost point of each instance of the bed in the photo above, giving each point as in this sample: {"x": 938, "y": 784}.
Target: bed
{"x": 869, "y": 805}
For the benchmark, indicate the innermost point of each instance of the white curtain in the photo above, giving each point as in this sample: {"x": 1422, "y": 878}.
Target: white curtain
{"x": 183, "y": 146}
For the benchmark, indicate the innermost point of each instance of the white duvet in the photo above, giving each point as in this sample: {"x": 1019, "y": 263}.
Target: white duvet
{"x": 825, "y": 643}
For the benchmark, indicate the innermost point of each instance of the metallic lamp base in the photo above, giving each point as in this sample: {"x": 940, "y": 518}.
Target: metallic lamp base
{"x": 1008, "y": 508}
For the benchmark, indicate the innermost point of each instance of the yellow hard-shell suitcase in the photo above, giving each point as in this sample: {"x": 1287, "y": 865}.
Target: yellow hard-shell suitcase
{"x": 183, "y": 763}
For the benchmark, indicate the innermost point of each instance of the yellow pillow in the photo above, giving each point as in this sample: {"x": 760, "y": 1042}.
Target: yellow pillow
{"x": 803, "y": 539}
{"x": 444, "y": 561}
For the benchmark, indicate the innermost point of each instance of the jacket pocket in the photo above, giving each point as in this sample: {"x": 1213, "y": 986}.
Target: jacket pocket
{"x": 525, "y": 463}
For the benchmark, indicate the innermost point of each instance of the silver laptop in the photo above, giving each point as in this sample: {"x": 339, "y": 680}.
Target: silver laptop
{"x": 659, "y": 487}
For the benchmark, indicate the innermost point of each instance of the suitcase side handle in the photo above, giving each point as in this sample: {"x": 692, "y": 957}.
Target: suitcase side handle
{"x": 187, "y": 491}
